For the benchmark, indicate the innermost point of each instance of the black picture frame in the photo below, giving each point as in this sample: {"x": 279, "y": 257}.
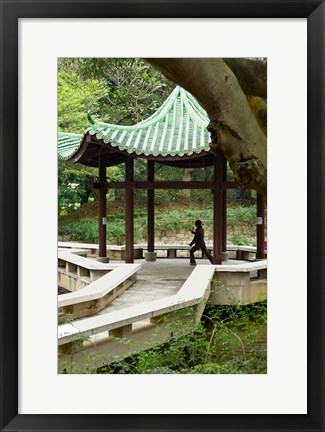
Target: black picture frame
{"x": 11, "y": 11}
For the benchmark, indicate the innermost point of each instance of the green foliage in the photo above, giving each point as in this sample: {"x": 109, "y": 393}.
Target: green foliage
{"x": 115, "y": 173}
{"x": 202, "y": 196}
{"x": 238, "y": 334}
{"x": 131, "y": 89}
{"x": 241, "y": 215}
{"x": 86, "y": 230}
{"x": 240, "y": 241}
{"x": 75, "y": 186}
{"x": 75, "y": 98}
{"x": 228, "y": 340}
{"x": 169, "y": 220}
{"x": 119, "y": 91}
{"x": 214, "y": 368}
{"x": 255, "y": 364}
{"x": 187, "y": 346}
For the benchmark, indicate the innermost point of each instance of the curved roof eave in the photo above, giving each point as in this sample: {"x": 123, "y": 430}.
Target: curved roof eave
{"x": 68, "y": 144}
{"x": 177, "y": 128}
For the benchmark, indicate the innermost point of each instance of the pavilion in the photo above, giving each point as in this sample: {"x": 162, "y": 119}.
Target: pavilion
{"x": 175, "y": 135}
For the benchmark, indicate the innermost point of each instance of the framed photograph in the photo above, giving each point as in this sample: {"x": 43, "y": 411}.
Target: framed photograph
{"x": 34, "y": 396}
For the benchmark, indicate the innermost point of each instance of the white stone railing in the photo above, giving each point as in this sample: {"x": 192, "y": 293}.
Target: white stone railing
{"x": 240, "y": 283}
{"x": 120, "y": 333}
{"x": 101, "y": 287}
{"x": 194, "y": 291}
{"x": 75, "y": 271}
{"x": 99, "y": 284}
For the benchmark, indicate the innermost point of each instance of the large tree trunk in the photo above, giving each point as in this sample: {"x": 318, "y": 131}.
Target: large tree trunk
{"x": 251, "y": 75}
{"x": 234, "y": 128}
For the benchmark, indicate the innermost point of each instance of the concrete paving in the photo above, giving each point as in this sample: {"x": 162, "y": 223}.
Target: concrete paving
{"x": 156, "y": 280}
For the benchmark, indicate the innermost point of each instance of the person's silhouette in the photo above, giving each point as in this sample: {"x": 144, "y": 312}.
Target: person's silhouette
{"x": 199, "y": 243}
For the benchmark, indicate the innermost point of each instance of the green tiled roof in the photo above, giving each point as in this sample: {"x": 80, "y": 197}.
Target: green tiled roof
{"x": 178, "y": 127}
{"x": 68, "y": 144}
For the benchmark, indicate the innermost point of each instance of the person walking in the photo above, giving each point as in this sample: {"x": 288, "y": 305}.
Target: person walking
{"x": 199, "y": 243}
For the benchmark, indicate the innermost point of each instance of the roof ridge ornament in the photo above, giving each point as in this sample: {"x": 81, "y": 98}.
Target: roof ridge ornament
{"x": 90, "y": 119}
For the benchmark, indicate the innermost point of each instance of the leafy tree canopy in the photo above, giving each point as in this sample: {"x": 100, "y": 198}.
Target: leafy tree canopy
{"x": 119, "y": 91}
{"x": 124, "y": 91}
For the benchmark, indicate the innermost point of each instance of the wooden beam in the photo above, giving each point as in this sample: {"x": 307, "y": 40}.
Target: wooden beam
{"x": 230, "y": 184}
{"x": 164, "y": 185}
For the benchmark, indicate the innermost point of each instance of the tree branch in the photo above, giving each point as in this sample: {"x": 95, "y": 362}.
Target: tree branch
{"x": 234, "y": 128}
{"x": 251, "y": 75}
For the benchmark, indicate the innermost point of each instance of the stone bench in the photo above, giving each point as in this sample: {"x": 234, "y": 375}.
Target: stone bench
{"x": 93, "y": 248}
{"x": 117, "y": 252}
{"x": 113, "y": 251}
{"x": 98, "y": 294}
{"x": 170, "y": 248}
{"x": 247, "y": 253}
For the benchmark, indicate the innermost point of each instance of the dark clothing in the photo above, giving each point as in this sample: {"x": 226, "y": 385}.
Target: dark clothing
{"x": 199, "y": 243}
{"x": 198, "y": 239}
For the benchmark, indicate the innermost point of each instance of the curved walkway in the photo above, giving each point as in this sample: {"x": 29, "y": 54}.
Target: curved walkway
{"x": 155, "y": 280}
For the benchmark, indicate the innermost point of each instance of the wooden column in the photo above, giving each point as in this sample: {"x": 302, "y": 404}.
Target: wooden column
{"x": 151, "y": 207}
{"x": 260, "y": 214}
{"x": 217, "y": 208}
{"x": 224, "y": 206}
{"x": 129, "y": 210}
{"x": 102, "y": 208}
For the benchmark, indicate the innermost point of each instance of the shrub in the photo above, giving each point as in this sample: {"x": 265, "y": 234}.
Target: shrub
{"x": 255, "y": 364}
{"x": 84, "y": 230}
{"x": 240, "y": 241}
{"x": 241, "y": 215}
{"x": 172, "y": 220}
{"x": 213, "y": 368}
{"x": 225, "y": 342}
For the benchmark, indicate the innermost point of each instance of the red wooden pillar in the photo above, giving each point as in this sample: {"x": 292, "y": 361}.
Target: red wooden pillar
{"x": 217, "y": 209}
{"x": 102, "y": 210}
{"x": 129, "y": 210}
{"x": 151, "y": 208}
{"x": 260, "y": 215}
{"x": 224, "y": 205}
